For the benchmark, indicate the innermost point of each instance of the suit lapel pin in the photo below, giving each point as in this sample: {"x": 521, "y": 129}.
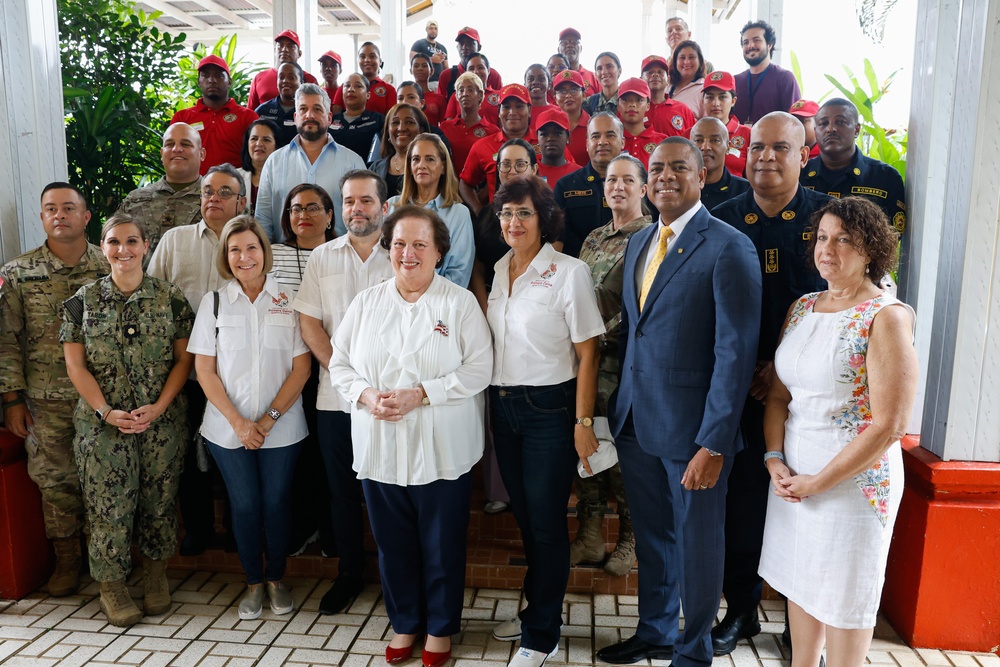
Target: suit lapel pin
{"x": 680, "y": 250}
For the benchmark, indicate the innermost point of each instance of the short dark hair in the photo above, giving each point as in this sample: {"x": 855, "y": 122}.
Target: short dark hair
{"x": 769, "y": 35}
{"x": 693, "y": 147}
{"x": 298, "y": 67}
{"x": 869, "y": 229}
{"x": 559, "y": 55}
{"x": 674, "y": 74}
{"x": 286, "y": 216}
{"x": 442, "y": 237}
{"x": 842, "y": 102}
{"x": 229, "y": 170}
{"x": 62, "y": 185}
{"x": 478, "y": 54}
{"x": 412, "y": 84}
{"x": 550, "y": 216}
{"x": 421, "y": 54}
{"x": 387, "y": 149}
{"x": 363, "y": 175}
{"x": 608, "y": 54}
{"x": 532, "y": 156}
{"x": 541, "y": 67}
{"x": 378, "y": 51}
{"x": 245, "y": 160}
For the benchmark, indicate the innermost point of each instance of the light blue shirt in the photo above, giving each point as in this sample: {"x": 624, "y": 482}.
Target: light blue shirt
{"x": 457, "y": 265}
{"x": 289, "y": 166}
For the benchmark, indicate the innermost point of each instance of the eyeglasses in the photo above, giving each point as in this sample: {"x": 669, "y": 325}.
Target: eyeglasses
{"x": 566, "y": 90}
{"x": 224, "y": 194}
{"x": 519, "y": 167}
{"x": 311, "y": 209}
{"x": 521, "y": 213}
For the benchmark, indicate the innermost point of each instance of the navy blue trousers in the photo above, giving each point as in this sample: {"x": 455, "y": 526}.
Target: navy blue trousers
{"x": 346, "y": 520}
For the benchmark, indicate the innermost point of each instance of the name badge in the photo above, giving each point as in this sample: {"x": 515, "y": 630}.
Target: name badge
{"x": 199, "y": 126}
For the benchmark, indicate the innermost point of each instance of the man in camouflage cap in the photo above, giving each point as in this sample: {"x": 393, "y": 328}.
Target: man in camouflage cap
{"x": 175, "y": 199}
{"x": 38, "y": 398}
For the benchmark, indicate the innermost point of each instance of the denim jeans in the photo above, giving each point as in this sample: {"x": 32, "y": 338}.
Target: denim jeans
{"x": 259, "y": 484}
{"x": 533, "y": 437}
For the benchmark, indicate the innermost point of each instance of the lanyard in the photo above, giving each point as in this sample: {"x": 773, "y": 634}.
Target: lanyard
{"x": 753, "y": 89}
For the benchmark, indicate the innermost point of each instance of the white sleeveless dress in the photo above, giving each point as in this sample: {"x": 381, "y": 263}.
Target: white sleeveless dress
{"x": 828, "y": 553}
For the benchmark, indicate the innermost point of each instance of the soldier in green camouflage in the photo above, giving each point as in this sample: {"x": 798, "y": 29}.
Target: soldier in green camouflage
{"x": 175, "y": 199}
{"x": 125, "y": 343}
{"x": 38, "y": 397}
{"x": 604, "y": 251}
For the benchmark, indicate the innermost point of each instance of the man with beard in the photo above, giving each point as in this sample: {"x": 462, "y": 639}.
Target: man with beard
{"x": 287, "y": 49}
{"x": 336, "y": 272}
{"x": 381, "y": 95}
{"x": 468, "y": 43}
{"x": 570, "y": 47}
{"x": 432, "y": 49}
{"x": 312, "y": 157}
{"x": 217, "y": 118}
{"x": 764, "y": 87}
{"x": 712, "y": 138}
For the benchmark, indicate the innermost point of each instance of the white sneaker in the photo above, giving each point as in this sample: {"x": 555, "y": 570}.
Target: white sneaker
{"x": 508, "y": 631}
{"x": 525, "y": 657}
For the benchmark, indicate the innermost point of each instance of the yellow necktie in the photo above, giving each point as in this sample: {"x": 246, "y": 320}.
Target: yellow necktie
{"x": 654, "y": 264}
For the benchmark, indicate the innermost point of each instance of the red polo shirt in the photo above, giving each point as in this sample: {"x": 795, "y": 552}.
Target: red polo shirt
{"x": 221, "y": 131}
{"x": 739, "y": 145}
{"x": 671, "y": 118}
{"x": 489, "y": 110}
{"x": 494, "y": 81}
{"x": 481, "y": 164}
{"x": 381, "y": 96}
{"x": 462, "y": 138}
{"x": 434, "y": 106}
{"x": 578, "y": 140}
{"x": 641, "y": 146}
{"x": 590, "y": 79}
{"x": 265, "y": 87}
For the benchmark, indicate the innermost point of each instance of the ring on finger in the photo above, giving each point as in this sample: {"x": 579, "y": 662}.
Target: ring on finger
{"x": 704, "y": 486}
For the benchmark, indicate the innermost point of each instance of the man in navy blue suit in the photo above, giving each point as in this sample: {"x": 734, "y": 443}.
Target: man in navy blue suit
{"x": 688, "y": 344}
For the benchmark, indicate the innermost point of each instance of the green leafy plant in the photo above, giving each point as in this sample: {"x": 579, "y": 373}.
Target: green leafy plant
{"x": 240, "y": 71}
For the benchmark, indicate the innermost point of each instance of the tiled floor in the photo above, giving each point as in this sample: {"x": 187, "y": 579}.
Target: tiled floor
{"x": 203, "y": 629}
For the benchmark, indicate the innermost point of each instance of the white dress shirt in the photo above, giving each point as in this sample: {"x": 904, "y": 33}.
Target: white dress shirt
{"x": 535, "y": 325}
{"x": 185, "y": 256}
{"x": 334, "y": 276}
{"x": 440, "y": 342}
{"x": 677, "y": 227}
{"x": 253, "y": 351}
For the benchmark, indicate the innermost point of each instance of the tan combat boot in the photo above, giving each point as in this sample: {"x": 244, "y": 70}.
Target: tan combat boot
{"x": 65, "y": 580}
{"x": 117, "y": 604}
{"x": 588, "y": 547}
{"x": 156, "y": 589}
{"x": 623, "y": 557}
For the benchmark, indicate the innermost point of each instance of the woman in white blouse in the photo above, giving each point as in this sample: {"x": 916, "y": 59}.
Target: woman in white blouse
{"x": 413, "y": 358}
{"x": 545, "y": 322}
{"x": 252, "y": 363}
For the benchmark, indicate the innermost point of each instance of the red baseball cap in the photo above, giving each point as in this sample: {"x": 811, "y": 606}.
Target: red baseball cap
{"x": 471, "y": 33}
{"x": 569, "y": 76}
{"x": 213, "y": 60}
{"x": 650, "y": 60}
{"x": 551, "y": 115}
{"x": 804, "y": 109}
{"x": 635, "y": 86}
{"x": 289, "y": 34}
{"x": 569, "y": 31}
{"x": 721, "y": 80}
{"x": 333, "y": 55}
{"x": 515, "y": 90}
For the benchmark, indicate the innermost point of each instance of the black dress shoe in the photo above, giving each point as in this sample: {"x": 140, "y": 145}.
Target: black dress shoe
{"x": 634, "y": 649}
{"x": 342, "y": 594}
{"x": 733, "y": 628}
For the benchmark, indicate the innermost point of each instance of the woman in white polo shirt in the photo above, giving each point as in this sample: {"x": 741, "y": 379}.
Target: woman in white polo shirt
{"x": 252, "y": 364}
{"x": 545, "y": 323}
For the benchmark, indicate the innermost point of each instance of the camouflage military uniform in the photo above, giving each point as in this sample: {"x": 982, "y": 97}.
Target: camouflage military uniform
{"x": 159, "y": 208}
{"x": 604, "y": 252}
{"x": 129, "y": 347}
{"x": 31, "y": 362}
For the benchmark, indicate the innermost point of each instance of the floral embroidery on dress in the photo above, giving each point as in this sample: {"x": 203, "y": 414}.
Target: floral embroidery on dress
{"x": 800, "y": 309}
{"x": 855, "y": 416}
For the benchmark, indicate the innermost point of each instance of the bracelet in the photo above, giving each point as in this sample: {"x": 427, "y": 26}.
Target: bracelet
{"x": 774, "y": 455}
{"x": 17, "y": 401}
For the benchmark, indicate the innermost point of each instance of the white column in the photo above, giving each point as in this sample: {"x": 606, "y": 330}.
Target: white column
{"x": 700, "y": 12}
{"x": 302, "y": 16}
{"x": 32, "y": 138}
{"x": 952, "y": 244}
{"x": 772, "y": 11}
{"x": 394, "y": 51}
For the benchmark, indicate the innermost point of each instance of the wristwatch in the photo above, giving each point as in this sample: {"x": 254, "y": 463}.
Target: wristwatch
{"x": 273, "y": 414}
{"x": 712, "y": 452}
{"x": 586, "y": 422}
{"x": 102, "y": 412}
{"x": 425, "y": 401}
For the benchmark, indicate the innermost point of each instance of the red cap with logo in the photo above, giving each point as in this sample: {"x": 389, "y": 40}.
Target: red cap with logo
{"x": 654, "y": 60}
{"x": 289, "y": 34}
{"x": 471, "y": 33}
{"x": 569, "y": 32}
{"x": 635, "y": 86}
{"x": 804, "y": 109}
{"x": 551, "y": 115}
{"x": 516, "y": 91}
{"x": 568, "y": 76}
{"x": 721, "y": 80}
{"x": 334, "y": 56}
{"x": 213, "y": 60}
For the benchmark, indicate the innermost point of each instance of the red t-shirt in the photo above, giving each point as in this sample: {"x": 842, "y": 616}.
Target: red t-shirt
{"x": 578, "y": 140}
{"x": 221, "y": 131}
{"x": 381, "y": 96}
{"x": 489, "y": 110}
{"x": 641, "y": 146}
{"x": 739, "y": 145}
{"x": 494, "y": 81}
{"x": 265, "y": 87}
{"x": 434, "y": 106}
{"x": 551, "y": 175}
{"x": 462, "y": 138}
{"x": 671, "y": 118}
{"x": 535, "y": 112}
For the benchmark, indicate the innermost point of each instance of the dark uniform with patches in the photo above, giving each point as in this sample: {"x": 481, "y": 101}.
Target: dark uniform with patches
{"x": 129, "y": 343}
{"x": 604, "y": 252}
{"x": 581, "y": 197}
{"x": 284, "y": 118}
{"x": 788, "y": 272}
{"x": 724, "y": 189}
{"x": 864, "y": 177}
{"x": 158, "y": 207}
{"x": 359, "y": 133}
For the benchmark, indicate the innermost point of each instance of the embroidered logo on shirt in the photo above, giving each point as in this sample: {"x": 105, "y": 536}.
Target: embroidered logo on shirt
{"x": 281, "y": 300}
{"x": 649, "y": 148}
{"x": 380, "y": 91}
{"x": 677, "y": 122}
{"x": 479, "y": 132}
{"x": 441, "y": 328}
{"x": 131, "y": 331}
{"x": 737, "y": 142}
{"x": 494, "y": 99}
{"x": 229, "y": 117}
{"x": 551, "y": 271}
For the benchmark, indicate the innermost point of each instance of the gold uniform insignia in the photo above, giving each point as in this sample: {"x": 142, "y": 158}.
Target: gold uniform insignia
{"x": 857, "y": 172}
{"x": 873, "y": 192}
{"x": 899, "y": 222}
{"x": 750, "y": 218}
{"x": 590, "y": 179}
{"x": 812, "y": 173}
{"x": 771, "y": 260}
{"x": 806, "y": 236}
{"x": 577, "y": 193}
{"x": 788, "y": 215}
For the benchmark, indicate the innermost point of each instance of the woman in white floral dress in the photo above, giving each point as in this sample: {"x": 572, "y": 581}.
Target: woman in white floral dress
{"x": 846, "y": 375}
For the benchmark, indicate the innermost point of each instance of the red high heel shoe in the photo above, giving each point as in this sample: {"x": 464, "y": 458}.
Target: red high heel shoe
{"x": 397, "y": 655}
{"x": 432, "y": 659}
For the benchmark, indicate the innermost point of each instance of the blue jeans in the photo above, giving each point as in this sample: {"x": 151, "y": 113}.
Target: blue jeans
{"x": 259, "y": 484}
{"x": 533, "y": 437}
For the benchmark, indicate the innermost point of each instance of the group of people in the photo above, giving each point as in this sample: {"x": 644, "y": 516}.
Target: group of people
{"x": 535, "y": 277}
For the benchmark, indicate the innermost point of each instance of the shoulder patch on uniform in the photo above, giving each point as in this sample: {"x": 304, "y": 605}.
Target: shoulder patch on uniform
{"x": 577, "y": 193}
{"x": 751, "y": 218}
{"x": 899, "y": 222}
